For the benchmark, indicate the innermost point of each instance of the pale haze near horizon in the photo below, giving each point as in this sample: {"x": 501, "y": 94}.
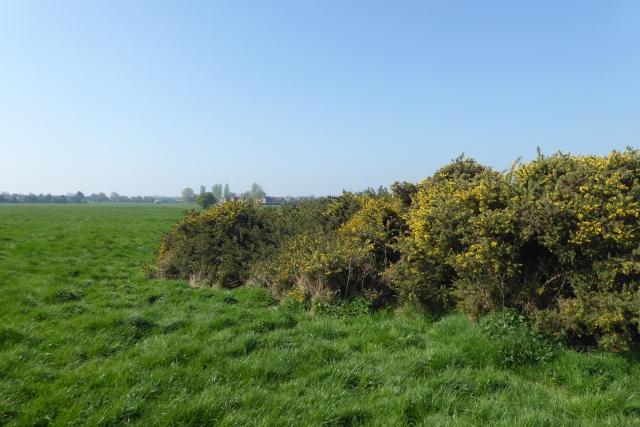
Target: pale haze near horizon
{"x": 147, "y": 98}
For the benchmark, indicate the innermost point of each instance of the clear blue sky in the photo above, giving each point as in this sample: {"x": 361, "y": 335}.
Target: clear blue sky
{"x": 304, "y": 97}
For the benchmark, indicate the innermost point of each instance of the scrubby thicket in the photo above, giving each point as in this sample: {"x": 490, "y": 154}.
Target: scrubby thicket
{"x": 556, "y": 238}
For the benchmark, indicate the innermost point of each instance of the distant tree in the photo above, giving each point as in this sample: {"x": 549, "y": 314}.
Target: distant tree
{"x": 100, "y": 197}
{"x": 30, "y": 198}
{"x": 245, "y": 196}
{"x": 226, "y": 193}
{"x": 3, "y": 199}
{"x": 206, "y": 200}
{"x": 257, "y": 192}
{"x": 203, "y": 189}
{"x": 115, "y": 197}
{"x": 58, "y": 199}
{"x": 78, "y": 198}
{"x": 188, "y": 195}
{"x": 217, "y": 191}
{"x": 44, "y": 199}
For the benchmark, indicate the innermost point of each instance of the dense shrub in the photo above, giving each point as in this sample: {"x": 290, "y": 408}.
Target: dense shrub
{"x": 555, "y": 239}
{"x": 580, "y": 215}
{"x": 332, "y": 248}
{"x": 450, "y": 223}
{"x": 298, "y": 249}
{"x": 315, "y": 265}
{"x": 218, "y": 246}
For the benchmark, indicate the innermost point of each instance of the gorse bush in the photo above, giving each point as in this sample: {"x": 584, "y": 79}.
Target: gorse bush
{"x": 327, "y": 251}
{"x": 299, "y": 249}
{"x": 582, "y": 213}
{"x": 216, "y": 247}
{"x": 456, "y": 226}
{"x": 555, "y": 239}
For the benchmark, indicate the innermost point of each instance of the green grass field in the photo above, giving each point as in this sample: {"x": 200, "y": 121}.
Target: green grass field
{"x": 87, "y": 339}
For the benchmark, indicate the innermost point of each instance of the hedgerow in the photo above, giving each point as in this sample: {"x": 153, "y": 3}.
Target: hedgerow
{"x": 554, "y": 239}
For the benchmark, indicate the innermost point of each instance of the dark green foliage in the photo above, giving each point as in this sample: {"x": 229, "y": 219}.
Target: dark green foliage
{"x": 323, "y": 215}
{"x": 518, "y": 344}
{"x": 404, "y": 192}
{"x": 218, "y": 246}
{"x": 352, "y": 308}
{"x": 206, "y": 200}
{"x": 333, "y": 248}
{"x": 461, "y": 168}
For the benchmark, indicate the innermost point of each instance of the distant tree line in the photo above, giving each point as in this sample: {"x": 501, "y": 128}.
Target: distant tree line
{"x": 206, "y": 199}
{"x": 42, "y": 198}
{"x": 79, "y": 197}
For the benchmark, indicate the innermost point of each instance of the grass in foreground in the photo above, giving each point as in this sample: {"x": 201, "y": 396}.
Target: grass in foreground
{"x": 86, "y": 339}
